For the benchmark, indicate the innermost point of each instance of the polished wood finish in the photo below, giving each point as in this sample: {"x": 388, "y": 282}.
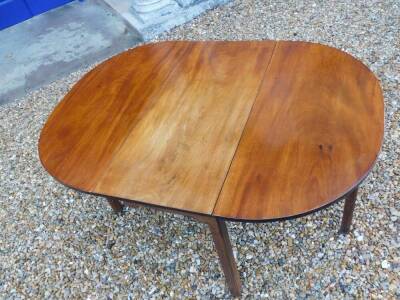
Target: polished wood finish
{"x": 349, "y": 205}
{"x": 224, "y": 249}
{"x": 82, "y": 134}
{"x": 248, "y": 131}
{"x": 164, "y": 136}
{"x": 313, "y": 134}
{"x": 239, "y": 130}
{"x": 179, "y": 153}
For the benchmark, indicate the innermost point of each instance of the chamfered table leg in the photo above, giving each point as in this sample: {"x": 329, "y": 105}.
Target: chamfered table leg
{"x": 348, "y": 211}
{"x": 220, "y": 236}
{"x": 225, "y": 253}
{"x": 115, "y": 204}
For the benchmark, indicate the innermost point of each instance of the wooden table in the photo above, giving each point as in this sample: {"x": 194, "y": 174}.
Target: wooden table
{"x": 240, "y": 131}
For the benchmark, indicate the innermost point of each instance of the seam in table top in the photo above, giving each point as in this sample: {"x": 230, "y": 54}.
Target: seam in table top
{"x": 245, "y": 125}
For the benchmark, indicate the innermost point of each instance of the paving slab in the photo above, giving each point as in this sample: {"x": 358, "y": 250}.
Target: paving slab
{"x": 155, "y": 17}
{"x": 56, "y": 43}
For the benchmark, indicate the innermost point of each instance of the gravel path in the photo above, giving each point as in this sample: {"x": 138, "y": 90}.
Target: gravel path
{"x": 58, "y": 243}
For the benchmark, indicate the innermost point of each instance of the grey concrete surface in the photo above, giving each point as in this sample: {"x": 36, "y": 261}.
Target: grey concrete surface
{"x": 56, "y": 43}
{"x": 155, "y": 17}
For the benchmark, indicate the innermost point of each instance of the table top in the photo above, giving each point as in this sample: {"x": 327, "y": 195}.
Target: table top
{"x": 249, "y": 130}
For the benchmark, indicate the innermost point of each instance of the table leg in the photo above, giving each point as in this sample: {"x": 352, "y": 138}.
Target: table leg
{"x": 115, "y": 204}
{"x": 220, "y": 236}
{"x": 348, "y": 211}
{"x": 225, "y": 253}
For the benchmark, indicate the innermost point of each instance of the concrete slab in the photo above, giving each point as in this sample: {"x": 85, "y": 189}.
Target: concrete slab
{"x": 156, "y": 20}
{"x": 48, "y": 46}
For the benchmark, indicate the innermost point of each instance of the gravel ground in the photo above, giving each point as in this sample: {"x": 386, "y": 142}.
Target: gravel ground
{"x": 58, "y": 243}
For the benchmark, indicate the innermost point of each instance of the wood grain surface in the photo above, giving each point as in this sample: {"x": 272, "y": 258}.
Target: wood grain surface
{"x": 179, "y": 153}
{"x": 85, "y": 129}
{"x": 314, "y": 132}
{"x": 242, "y": 130}
{"x": 164, "y": 135}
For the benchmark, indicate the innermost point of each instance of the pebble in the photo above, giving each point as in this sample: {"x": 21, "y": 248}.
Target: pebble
{"x": 394, "y": 212}
{"x": 59, "y": 243}
{"x": 385, "y": 264}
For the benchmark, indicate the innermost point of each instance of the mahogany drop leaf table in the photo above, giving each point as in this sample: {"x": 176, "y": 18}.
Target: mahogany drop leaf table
{"x": 240, "y": 131}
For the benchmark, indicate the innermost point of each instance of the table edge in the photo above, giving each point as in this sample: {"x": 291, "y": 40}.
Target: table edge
{"x": 326, "y": 204}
